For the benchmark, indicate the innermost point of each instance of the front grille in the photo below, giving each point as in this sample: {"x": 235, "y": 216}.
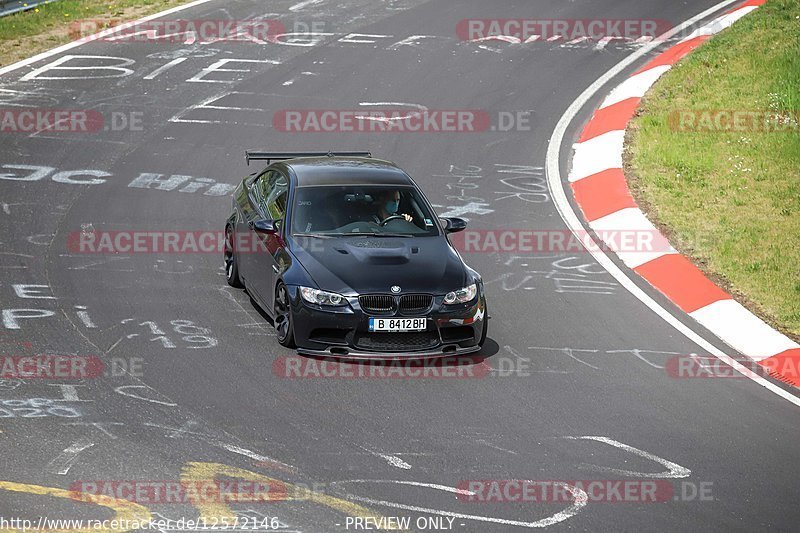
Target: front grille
{"x": 415, "y": 303}
{"x": 398, "y": 342}
{"x": 376, "y": 303}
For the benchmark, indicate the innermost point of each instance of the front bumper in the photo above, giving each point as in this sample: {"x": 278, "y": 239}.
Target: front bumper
{"x": 450, "y": 330}
{"x": 358, "y": 355}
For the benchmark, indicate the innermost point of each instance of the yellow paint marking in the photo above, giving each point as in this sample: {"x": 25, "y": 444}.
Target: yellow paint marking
{"x": 216, "y": 508}
{"x": 126, "y": 512}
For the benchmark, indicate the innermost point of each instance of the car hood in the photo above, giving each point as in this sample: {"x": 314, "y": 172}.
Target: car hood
{"x": 365, "y": 264}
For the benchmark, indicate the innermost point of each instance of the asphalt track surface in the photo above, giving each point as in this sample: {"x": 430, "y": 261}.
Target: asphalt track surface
{"x": 587, "y": 359}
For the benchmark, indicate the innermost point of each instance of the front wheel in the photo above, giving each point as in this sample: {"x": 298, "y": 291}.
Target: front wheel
{"x": 284, "y": 327}
{"x": 231, "y": 264}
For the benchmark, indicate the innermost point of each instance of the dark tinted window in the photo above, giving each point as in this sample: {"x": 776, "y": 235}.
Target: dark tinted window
{"x": 361, "y": 209}
{"x": 277, "y": 195}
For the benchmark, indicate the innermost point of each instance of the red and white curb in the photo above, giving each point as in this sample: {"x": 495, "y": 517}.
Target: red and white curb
{"x": 601, "y": 191}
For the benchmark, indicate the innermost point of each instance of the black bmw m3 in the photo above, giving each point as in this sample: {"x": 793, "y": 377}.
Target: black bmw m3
{"x": 346, "y": 255}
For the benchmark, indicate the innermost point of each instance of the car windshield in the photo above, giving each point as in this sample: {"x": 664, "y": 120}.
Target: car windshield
{"x": 357, "y": 209}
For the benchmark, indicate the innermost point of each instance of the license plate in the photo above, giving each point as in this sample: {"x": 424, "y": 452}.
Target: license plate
{"x": 397, "y": 324}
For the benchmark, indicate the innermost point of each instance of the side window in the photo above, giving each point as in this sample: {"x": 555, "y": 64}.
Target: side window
{"x": 264, "y": 185}
{"x": 259, "y": 187}
{"x": 270, "y": 193}
{"x": 277, "y": 197}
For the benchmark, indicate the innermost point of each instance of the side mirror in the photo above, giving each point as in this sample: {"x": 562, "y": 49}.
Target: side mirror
{"x": 454, "y": 224}
{"x": 264, "y": 226}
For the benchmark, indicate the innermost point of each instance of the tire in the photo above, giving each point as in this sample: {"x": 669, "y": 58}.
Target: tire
{"x": 284, "y": 324}
{"x": 230, "y": 261}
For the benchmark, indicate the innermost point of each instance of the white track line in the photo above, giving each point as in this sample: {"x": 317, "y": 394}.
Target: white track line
{"x": 306, "y": 3}
{"x": 572, "y": 221}
{"x": 411, "y": 483}
{"x": 163, "y": 68}
{"x": 64, "y": 461}
{"x": 392, "y": 460}
{"x": 673, "y": 471}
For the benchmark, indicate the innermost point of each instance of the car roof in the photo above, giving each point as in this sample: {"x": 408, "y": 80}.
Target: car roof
{"x": 310, "y": 171}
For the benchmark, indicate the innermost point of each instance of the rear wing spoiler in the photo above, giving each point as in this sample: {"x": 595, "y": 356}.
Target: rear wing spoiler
{"x": 277, "y": 156}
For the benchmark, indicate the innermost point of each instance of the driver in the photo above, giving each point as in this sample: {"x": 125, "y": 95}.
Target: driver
{"x": 388, "y": 204}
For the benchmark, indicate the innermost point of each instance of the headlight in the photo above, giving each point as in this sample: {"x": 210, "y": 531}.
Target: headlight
{"x": 316, "y": 296}
{"x": 461, "y": 296}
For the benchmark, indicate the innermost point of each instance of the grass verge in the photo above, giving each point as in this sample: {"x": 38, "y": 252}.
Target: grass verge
{"x": 28, "y": 33}
{"x": 730, "y": 199}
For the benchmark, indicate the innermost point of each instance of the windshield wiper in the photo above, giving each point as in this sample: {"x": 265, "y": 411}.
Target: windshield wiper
{"x": 373, "y": 234}
{"x": 318, "y": 235}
